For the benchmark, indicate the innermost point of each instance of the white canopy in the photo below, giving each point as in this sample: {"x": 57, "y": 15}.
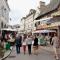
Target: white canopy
{"x": 9, "y": 29}
{"x": 43, "y": 31}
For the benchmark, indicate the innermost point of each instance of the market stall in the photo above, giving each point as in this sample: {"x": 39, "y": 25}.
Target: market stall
{"x": 9, "y": 34}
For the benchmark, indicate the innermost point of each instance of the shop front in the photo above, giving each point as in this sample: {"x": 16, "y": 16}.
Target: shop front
{"x": 51, "y": 29}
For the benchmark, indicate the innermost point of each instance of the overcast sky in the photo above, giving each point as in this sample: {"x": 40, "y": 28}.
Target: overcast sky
{"x": 20, "y": 8}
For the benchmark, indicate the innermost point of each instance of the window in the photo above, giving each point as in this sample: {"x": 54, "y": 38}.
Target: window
{"x": 5, "y": 26}
{"x": 4, "y": 9}
{"x": 6, "y": 0}
{"x": 18, "y": 26}
{"x": 1, "y": 24}
{"x": 48, "y": 23}
{"x": 35, "y": 25}
{"x": 39, "y": 23}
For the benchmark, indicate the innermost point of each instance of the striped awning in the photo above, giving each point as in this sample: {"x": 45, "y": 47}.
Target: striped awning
{"x": 43, "y": 31}
{"x": 56, "y": 24}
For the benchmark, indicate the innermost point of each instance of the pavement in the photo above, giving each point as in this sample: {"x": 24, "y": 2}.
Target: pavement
{"x": 45, "y": 53}
{"x": 58, "y": 51}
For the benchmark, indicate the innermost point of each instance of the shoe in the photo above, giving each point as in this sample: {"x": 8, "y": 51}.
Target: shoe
{"x": 57, "y": 58}
{"x": 24, "y": 53}
{"x": 37, "y": 54}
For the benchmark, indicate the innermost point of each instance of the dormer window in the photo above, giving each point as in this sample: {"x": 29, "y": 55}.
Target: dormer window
{"x": 39, "y": 23}
{"x": 6, "y": 0}
{"x": 5, "y": 9}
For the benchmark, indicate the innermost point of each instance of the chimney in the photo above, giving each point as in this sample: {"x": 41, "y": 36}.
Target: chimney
{"x": 42, "y": 7}
{"x": 42, "y": 3}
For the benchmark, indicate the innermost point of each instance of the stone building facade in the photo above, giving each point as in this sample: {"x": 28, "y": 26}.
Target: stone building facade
{"x": 4, "y": 13}
{"x": 22, "y": 24}
{"x": 27, "y": 24}
{"x": 53, "y": 11}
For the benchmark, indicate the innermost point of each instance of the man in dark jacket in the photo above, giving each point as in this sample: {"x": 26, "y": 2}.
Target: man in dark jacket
{"x": 18, "y": 43}
{"x": 35, "y": 45}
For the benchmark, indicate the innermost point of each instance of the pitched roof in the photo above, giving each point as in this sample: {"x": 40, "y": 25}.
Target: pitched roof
{"x": 50, "y": 7}
{"x": 32, "y": 11}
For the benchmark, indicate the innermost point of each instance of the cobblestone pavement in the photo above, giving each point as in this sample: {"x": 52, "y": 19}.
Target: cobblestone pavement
{"x": 45, "y": 53}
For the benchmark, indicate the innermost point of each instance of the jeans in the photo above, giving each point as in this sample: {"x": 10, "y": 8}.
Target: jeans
{"x": 18, "y": 49}
{"x": 24, "y": 48}
{"x": 29, "y": 48}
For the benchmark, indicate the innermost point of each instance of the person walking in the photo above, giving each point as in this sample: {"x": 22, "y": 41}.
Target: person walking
{"x": 51, "y": 43}
{"x": 48, "y": 39}
{"x": 24, "y": 43}
{"x": 55, "y": 45}
{"x": 0, "y": 36}
{"x": 29, "y": 44}
{"x": 35, "y": 45}
{"x": 18, "y": 43}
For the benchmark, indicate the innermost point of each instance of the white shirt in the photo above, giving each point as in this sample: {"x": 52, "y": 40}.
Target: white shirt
{"x": 24, "y": 42}
{"x": 29, "y": 40}
{"x": 55, "y": 41}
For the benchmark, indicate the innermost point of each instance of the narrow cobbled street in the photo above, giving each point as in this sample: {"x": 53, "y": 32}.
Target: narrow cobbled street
{"x": 45, "y": 53}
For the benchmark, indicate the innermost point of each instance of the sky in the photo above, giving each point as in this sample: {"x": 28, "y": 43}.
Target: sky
{"x": 20, "y": 8}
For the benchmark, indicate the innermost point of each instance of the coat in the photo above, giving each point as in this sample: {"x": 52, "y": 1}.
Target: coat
{"x": 35, "y": 42}
{"x": 18, "y": 41}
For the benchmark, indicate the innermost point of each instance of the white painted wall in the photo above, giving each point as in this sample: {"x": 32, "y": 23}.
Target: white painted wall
{"x": 22, "y": 24}
{"x": 29, "y": 24}
{"x": 4, "y": 12}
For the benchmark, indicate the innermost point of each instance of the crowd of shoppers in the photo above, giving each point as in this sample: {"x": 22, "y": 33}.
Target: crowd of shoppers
{"x": 28, "y": 40}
